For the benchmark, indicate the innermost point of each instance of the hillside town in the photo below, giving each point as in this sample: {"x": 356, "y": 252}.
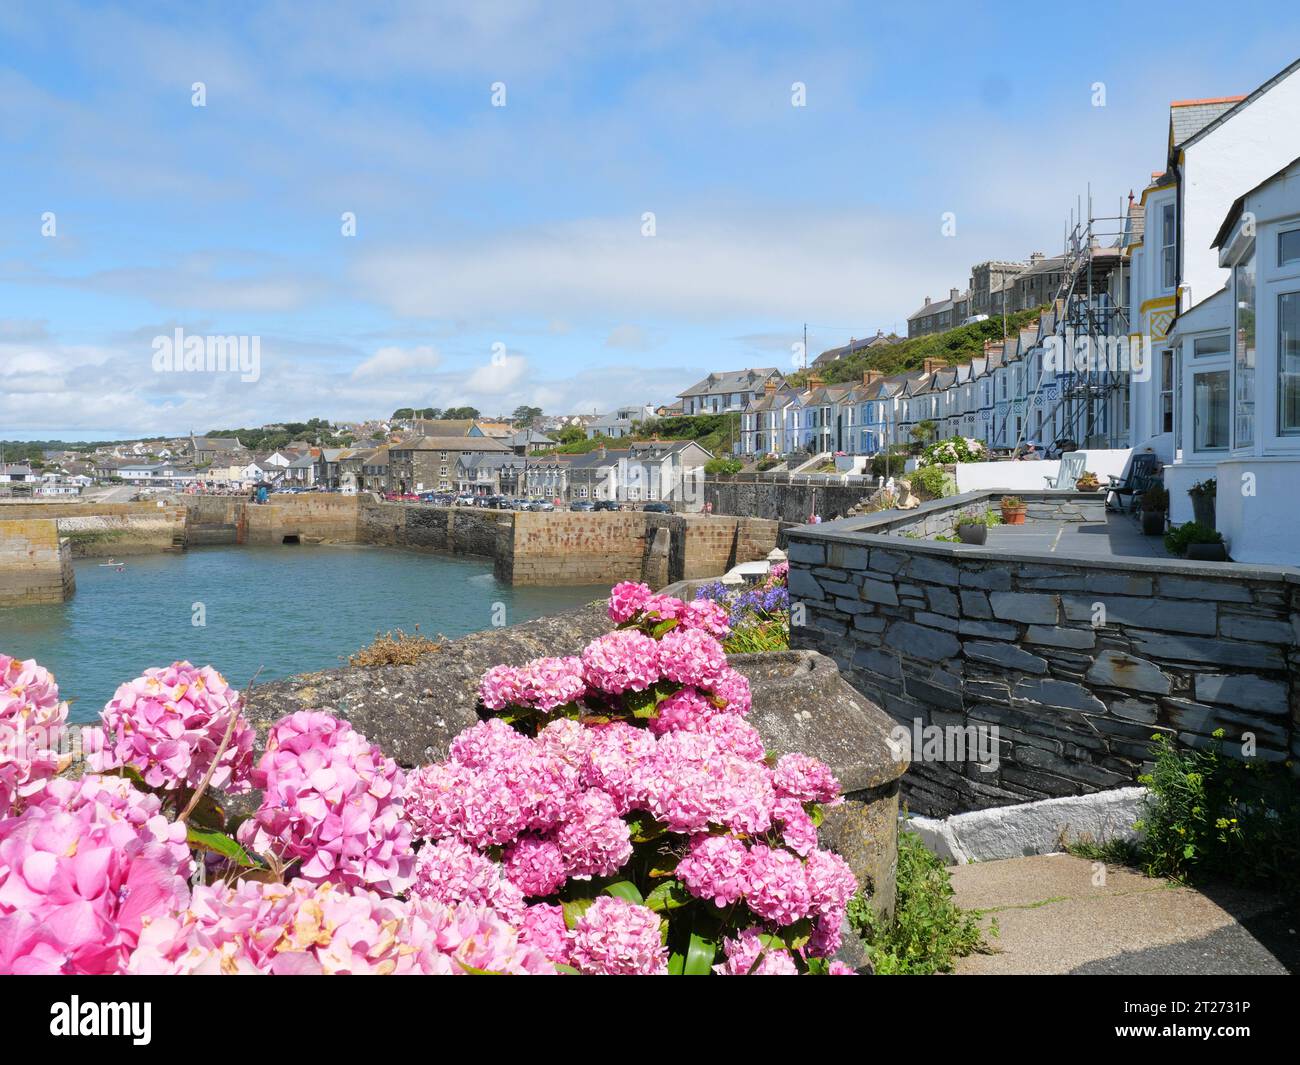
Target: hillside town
{"x": 1169, "y": 328}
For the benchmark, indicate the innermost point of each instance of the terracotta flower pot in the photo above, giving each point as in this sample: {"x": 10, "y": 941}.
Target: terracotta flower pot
{"x": 1014, "y": 515}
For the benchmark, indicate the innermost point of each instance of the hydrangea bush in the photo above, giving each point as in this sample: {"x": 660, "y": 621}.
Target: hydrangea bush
{"x": 615, "y": 814}
{"x": 954, "y": 450}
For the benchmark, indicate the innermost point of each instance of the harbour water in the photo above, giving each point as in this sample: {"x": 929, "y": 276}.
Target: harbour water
{"x": 284, "y": 609}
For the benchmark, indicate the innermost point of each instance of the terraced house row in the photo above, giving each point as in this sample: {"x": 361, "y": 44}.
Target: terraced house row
{"x": 1175, "y": 330}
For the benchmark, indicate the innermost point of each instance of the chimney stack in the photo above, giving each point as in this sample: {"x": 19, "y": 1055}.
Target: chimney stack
{"x": 932, "y": 365}
{"x": 815, "y": 380}
{"x": 927, "y": 301}
{"x": 952, "y": 294}
{"x": 769, "y": 386}
{"x": 871, "y": 376}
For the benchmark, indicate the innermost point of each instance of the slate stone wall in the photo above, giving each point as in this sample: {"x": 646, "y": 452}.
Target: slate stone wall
{"x": 1076, "y": 662}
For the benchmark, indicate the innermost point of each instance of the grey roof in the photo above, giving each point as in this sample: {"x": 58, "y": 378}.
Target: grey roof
{"x": 1187, "y": 120}
{"x": 730, "y": 381}
{"x": 936, "y": 306}
{"x": 217, "y": 443}
{"x": 450, "y": 443}
{"x": 1234, "y": 105}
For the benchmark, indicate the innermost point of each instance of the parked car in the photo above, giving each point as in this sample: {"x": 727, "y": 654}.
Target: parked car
{"x": 518, "y": 504}
{"x": 605, "y": 504}
{"x": 655, "y": 507}
{"x": 582, "y": 505}
{"x": 543, "y": 505}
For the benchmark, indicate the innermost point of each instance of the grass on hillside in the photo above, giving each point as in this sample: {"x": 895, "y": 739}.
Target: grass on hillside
{"x": 955, "y": 346}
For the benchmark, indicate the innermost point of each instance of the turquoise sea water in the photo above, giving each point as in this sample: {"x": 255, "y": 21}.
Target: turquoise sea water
{"x": 286, "y": 609}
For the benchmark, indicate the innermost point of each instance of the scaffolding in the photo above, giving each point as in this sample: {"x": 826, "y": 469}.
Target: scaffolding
{"x": 1090, "y": 313}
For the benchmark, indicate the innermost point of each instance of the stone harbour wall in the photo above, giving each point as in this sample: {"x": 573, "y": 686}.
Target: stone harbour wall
{"x": 1077, "y": 663}
{"x": 783, "y": 497}
{"x": 35, "y": 562}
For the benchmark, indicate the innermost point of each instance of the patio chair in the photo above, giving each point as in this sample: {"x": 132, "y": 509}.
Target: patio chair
{"x": 1143, "y": 472}
{"x": 1071, "y": 469}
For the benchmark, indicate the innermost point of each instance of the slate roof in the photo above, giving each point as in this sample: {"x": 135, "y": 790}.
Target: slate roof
{"x": 730, "y": 381}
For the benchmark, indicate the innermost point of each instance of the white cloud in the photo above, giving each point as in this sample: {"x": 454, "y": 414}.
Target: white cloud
{"x": 498, "y": 377}
{"x": 398, "y": 360}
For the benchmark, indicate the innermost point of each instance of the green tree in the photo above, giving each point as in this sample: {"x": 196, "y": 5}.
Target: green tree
{"x": 525, "y": 415}
{"x": 456, "y": 413}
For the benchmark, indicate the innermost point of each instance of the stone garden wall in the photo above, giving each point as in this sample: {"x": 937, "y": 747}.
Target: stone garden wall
{"x": 1077, "y": 663}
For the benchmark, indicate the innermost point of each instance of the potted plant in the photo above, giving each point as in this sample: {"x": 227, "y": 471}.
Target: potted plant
{"x": 971, "y": 530}
{"x": 1203, "y": 495}
{"x": 1088, "y": 482}
{"x": 1014, "y": 510}
{"x": 1197, "y": 542}
{"x": 1155, "y": 505}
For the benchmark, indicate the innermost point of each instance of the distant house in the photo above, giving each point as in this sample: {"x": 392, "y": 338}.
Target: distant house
{"x": 830, "y": 355}
{"x": 203, "y": 449}
{"x": 428, "y": 463}
{"x": 529, "y": 440}
{"x": 728, "y": 391}
{"x": 607, "y": 425}
{"x": 301, "y": 471}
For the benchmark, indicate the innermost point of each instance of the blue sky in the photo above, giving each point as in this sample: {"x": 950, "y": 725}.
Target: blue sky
{"x": 522, "y": 225}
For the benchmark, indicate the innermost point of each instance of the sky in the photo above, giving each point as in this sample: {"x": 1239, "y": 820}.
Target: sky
{"x": 569, "y": 205}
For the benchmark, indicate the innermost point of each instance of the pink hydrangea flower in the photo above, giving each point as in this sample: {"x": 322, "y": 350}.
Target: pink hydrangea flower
{"x": 664, "y": 607}
{"x": 500, "y": 687}
{"x": 31, "y": 723}
{"x": 534, "y": 865}
{"x": 684, "y": 710}
{"x": 486, "y": 744}
{"x": 550, "y": 682}
{"x": 627, "y": 600}
{"x": 707, "y": 616}
{"x": 734, "y": 733}
{"x": 621, "y": 661}
{"x": 543, "y": 927}
{"x": 81, "y": 874}
{"x": 331, "y": 801}
{"x": 615, "y": 937}
{"x": 614, "y": 758}
{"x": 775, "y": 886}
{"x": 732, "y": 687}
{"x": 827, "y": 936}
{"x": 691, "y": 656}
{"x": 450, "y": 871}
{"x": 797, "y": 829}
{"x": 840, "y": 968}
{"x": 567, "y": 740}
{"x": 713, "y": 868}
{"x": 831, "y": 883}
{"x": 778, "y": 573}
{"x": 433, "y": 798}
{"x": 804, "y": 778}
{"x": 748, "y": 956}
{"x": 593, "y": 839}
{"x": 303, "y": 928}
{"x": 693, "y": 781}
{"x": 169, "y": 723}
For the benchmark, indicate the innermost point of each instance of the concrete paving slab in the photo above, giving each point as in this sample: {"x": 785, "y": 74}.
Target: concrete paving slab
{"x": 1060, "y": 914}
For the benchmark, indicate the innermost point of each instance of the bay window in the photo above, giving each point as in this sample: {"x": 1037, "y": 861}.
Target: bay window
{"x": 1210, "y": 410}
{"x": 1243, "y": 286}
{"x": 1288, "y": 364}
